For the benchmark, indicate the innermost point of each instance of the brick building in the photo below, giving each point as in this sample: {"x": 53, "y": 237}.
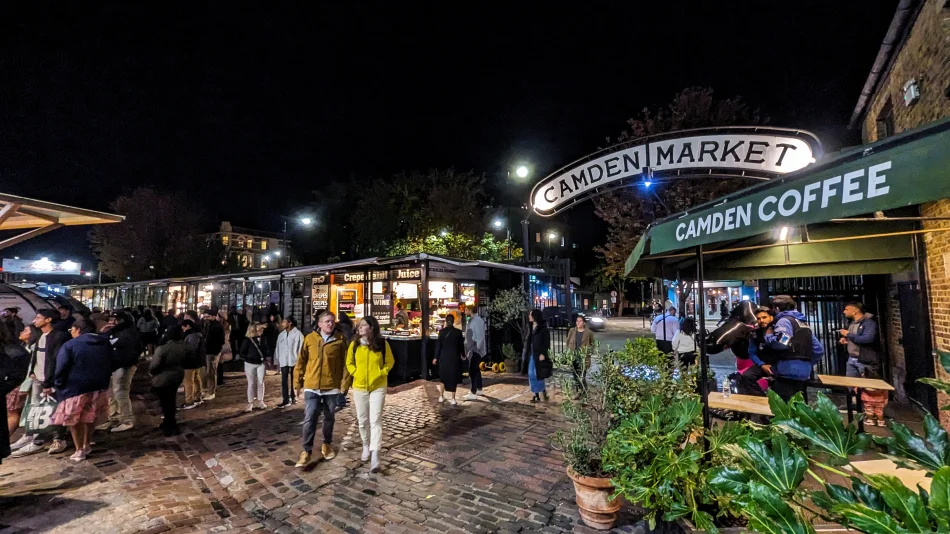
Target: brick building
{"x": 253, "y": 249}
{"x": 909, "y": 87}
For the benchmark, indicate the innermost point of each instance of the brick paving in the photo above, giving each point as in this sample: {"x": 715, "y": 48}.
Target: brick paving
{"x": 484, "y": 466}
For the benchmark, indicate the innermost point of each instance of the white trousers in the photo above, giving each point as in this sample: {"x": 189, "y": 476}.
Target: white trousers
{"x": 255, "y": 381}
{"x": 369, "y": 414}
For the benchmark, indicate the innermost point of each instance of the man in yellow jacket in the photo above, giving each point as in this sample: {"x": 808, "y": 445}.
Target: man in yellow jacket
{"x": 319, "y": 372}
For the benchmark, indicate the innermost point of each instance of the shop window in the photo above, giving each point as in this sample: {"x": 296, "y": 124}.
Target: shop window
{"x": 263, "y": 244}
{"x": 885, "y": 121}
{"x": 245, "y": 259}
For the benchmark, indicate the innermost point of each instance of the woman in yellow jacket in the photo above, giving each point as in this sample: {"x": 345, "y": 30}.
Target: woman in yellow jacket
{"x": 369, "y": 360}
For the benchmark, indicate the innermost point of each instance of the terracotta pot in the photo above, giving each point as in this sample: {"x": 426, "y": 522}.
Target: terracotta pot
{"x": 597, "y": 509}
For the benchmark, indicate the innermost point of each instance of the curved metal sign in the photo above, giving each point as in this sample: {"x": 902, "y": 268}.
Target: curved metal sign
{"x": 748, "y": 152}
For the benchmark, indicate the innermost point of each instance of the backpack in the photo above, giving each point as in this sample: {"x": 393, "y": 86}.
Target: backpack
{"x": 195, "y": 357}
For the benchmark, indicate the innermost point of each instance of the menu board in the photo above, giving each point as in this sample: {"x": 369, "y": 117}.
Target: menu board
{"x": 382, "y": 308}
{"x": 321, "y": 297}
{"x": 346, "y": 302}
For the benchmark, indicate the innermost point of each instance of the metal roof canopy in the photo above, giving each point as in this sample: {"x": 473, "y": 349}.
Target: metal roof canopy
{"x": 916, "y": 165}
{"x": 39, "y": 217}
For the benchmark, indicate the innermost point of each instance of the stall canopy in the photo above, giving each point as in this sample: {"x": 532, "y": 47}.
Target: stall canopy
{"x": 38, "y": 217}
{"x": 827, "y": 213}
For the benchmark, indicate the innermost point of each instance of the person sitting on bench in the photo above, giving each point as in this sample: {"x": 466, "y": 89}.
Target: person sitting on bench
{"x": 785, "y": 351}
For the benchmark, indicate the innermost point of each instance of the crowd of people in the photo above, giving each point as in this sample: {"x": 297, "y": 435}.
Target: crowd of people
{"x": 781, "y": 350}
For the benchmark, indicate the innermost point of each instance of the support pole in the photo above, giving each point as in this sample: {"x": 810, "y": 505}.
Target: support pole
{"x": 703, "y": 357}
{"x": 424, "y": 305}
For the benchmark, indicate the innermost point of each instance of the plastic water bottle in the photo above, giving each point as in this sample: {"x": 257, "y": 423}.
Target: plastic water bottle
{"x": 726, "y": 387}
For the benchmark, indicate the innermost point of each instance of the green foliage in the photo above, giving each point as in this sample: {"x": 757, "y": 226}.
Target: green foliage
{"x": 456, "y": 245}
{"x": 510, "y": 307}
{"x": 930, "y": 451}
{"x": 508, "y": 352}
{"x": 820, "y": 426}
{"x": 653, "y": 464}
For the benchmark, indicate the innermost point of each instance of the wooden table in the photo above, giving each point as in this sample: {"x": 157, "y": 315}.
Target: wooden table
{"x": 740, "y": 403}
{"x": 909, "y": 477}
{"x": 853, "y": 386}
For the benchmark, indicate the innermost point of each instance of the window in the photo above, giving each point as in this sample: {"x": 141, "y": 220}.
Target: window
{"x": 241, "y": 241}
{"x": 263, "y": 244}
{"x": 885, "y": 121}
{"x": 225, "y": 239}
{"x": 250, "y": 242}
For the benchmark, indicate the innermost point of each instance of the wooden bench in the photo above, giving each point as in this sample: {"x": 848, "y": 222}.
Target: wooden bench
{"x": 740, "y": 403}
{"x": 909, "y": 477}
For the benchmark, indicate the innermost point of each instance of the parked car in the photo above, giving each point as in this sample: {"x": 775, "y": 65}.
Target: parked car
{"x": 563, "y": 317}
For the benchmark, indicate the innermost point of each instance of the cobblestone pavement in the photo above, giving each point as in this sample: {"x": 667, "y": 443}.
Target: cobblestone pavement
{"x": 483, "y": 466}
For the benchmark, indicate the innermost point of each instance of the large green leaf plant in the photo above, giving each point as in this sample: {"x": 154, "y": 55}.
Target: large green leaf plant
{"x": 763, "y": 484}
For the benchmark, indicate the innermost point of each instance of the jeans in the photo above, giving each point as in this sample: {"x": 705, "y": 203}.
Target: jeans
{"x": 474, "y": 372}
{"x": 166, "y": 397}
{"x": 255, "y": 381}
{"x": 286, "y": 384}
{"x": 313, "y": 405}
{"x": 854, "y": 368}
{"x": 192, "y": 384}
{"x": 537, "y": 384}
{"x": 210, "y": 373}
{"x": 369, "y": 415}
{"x": 120, "y": 405}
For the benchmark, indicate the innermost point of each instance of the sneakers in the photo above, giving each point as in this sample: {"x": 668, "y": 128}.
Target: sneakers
{"x": 105, "y": 426}
{"x": 260, "y": 405}
{"x": 123, "y": 427}
{"x": 479, "y": 393}
{"x": 470, "y": 397}
{"x": 545, "y": 395}
{"x": 207, "y": 397}
{"x": 79, "y": 455}
{"x": 28, "y": 449}
{"x": 536, "y": 398}
{"x": 453, "y": 402}
{"x": 58, "y": 446}
{"x": 282, "y": 405}
{"x": 441, "y": 398}
{"x": 22, "y": 442}
{"x": 374, "y": 465}
{"x": 365, "y": 455}
{"x": 190, "y": 406}
{"x": 250, "y": 408}
{"x": 327, "y": 452}
{"x": 304, "y": 460}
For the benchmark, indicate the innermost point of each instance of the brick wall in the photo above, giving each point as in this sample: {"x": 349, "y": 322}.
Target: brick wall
{"x": 891, "y": 322}
{"x": 925, "y": 57}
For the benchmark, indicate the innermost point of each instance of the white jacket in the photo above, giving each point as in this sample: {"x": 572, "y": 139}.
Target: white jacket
{"x": 288, "y": 347}
{"x": 475, "y": 336}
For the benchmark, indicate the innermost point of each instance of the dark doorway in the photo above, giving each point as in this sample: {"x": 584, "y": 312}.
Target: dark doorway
{"x": 916, "y": 342}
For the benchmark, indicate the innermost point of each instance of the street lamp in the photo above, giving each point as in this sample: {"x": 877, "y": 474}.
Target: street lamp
{"x": 306, "y": 221}
{"x": 303, "y": 221}
{"x": 521, "y": 172}
{"x": 551, "y": 237}
{"x": 498, "y": 223}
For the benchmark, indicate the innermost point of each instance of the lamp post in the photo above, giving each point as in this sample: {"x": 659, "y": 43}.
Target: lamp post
{"x": 497, "y": 223}
{"x": 551, "y": 237}
{"x": 303, "y": 221}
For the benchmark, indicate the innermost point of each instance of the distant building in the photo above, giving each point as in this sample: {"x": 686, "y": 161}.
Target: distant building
{"x": 253, "y": 249}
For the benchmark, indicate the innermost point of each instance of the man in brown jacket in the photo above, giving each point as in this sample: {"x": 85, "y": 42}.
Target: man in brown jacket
{"x": 319, "y": 372}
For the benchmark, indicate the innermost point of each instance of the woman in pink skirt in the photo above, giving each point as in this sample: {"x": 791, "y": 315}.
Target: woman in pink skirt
{"x": 84, "y": 368}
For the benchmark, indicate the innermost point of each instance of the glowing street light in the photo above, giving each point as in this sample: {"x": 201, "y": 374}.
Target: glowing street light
{"x": 306, "y": 221}
{"x": 444, "y": 233}
{"x": 498, "y": 223}
{"x": 552, "y": 236}
{"x": 277, "y": 253}
{"x": 521, "y": 172}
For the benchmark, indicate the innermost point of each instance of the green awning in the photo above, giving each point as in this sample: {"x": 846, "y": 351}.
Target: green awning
{"x": 905, "y": 170}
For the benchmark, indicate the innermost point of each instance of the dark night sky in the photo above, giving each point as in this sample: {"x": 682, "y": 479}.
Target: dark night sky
{"x": 251, "y": 106}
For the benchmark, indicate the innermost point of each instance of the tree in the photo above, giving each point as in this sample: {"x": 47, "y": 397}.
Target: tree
{"x": 151, "y": 244}
{"x": 629, "y": 211}
{"x": 510, "y": 307}
{"x": 436, "y": 212}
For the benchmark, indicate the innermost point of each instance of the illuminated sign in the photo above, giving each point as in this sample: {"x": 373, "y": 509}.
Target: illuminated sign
{"x": 739, "y": 152}
{"x": 41, "y": 266}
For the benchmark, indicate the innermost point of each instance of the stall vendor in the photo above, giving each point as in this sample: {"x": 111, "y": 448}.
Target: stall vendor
{"x": 402, "y": 317}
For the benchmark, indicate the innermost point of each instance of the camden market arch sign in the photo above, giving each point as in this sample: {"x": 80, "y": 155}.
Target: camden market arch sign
{"x": 755, "y": 152}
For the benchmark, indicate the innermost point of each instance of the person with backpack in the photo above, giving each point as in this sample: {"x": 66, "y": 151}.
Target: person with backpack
{"x": 792, "y": 347}
{"x": 254, "y": 352}
{"x": 126, "y": 340}
{"x": 167, "y": 374}
{"x": 193, "y": 365}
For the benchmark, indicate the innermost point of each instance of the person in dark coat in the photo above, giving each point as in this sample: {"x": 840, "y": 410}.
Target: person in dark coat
{"x": 167, "y": 375}
{"x": 14, "y": 364}
{"x": 449, "y": 350}
{"x": 539, "y": 355}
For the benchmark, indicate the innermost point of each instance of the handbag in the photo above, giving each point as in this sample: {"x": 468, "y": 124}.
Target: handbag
{"x": 226, "y": 354}
{"x": 37, "y": 419}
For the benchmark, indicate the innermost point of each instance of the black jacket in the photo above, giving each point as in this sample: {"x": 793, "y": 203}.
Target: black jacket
{"x": 166, "y": 366}
{"x": 254, "y": 350}
{"x": 214, "y": 339}
{"x": 195, "y": 350}
{"x": 127, "y": 342}
{"x": 450, "y": 345}
{"x": 54, "y": 341}
{"x": 539, "y": 342}
{"x": 14, "y": 363}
